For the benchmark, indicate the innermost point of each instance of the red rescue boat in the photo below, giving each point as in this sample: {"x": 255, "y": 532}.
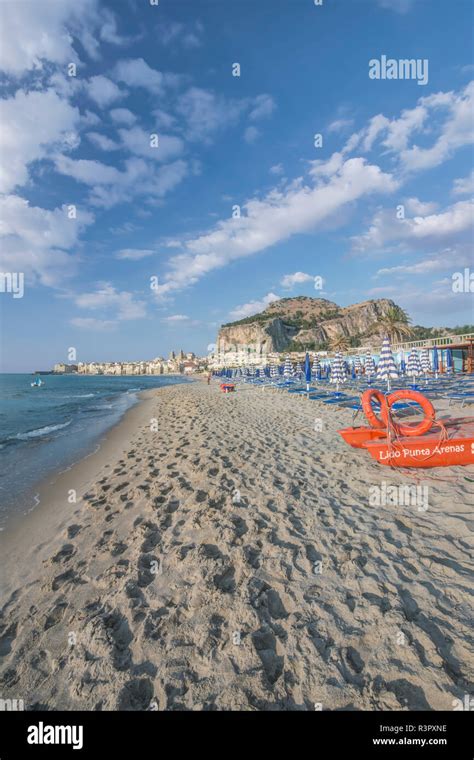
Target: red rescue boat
{"x": 429, "y": 443}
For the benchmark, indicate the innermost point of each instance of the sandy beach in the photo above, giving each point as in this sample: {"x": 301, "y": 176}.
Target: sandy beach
{"x": 223, "y": 554}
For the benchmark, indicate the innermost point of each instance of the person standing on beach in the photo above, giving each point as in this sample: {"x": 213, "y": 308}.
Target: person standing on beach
{"x": 208, "y": 378}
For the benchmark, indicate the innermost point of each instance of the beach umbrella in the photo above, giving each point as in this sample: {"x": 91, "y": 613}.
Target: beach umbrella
{"x": 435, "y": 362}
{"x": 403, "y": 364}
{"x": 386, "y": 368}
{"x": 274, "y": 372}
{"x": 337, "y": 371}
{"x": 357, "y": 365}
{"x": 413, "y": 365}
{"x": 307, "y": 370}
{"x": 288, "y": 368}
{"x": 298, "y": 369}
{"x": 316, "y": 368}
{"x": 369, "y": 366}
{"x": 449, "y": 361}
{"x": 425, "y": 363}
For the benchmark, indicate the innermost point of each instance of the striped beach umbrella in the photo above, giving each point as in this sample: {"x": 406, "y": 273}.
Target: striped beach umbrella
{"x": 338, "y": 375}
{"x": 288, "y": 368}
{"x": 357, "y": 364}
{"x": 307, "y": 370}
{"x": 449, "y": 361}
{"x": 435, "y": 362}
{"x": 316, "y": 367}
{"x": 298, "y": 369}
{"x": 386, "y": 368}
{"x": 413, "y": 364}
{"x": 274, "y": 372}
{"x": 425, "y": 363}
{"x": 369, "y": 366}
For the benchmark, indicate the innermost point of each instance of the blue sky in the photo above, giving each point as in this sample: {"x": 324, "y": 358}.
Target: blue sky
{"x": 91, "y": 209}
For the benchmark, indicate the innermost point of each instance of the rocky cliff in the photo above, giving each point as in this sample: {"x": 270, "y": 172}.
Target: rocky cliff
{"x": 291, "y": 323}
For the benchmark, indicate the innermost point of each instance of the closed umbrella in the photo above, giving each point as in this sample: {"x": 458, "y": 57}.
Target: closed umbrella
{"x": 425, "y": 363}
{"x": 435, "y": 362}
{"x": 316, "y": 368}
{"x": 307, "y": 370}
{"x": 369, "y": 366}
{"x": 413, "y": 365}
{"x": 338, "y": 375}
{"x": 288, "y": 368}
{"x": 386, "y": 368}
{"x": 449, "y": 361}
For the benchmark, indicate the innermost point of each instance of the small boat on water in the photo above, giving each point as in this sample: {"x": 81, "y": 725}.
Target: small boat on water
{"x": 447, "y": 442}
{"x": 37, "y": 383}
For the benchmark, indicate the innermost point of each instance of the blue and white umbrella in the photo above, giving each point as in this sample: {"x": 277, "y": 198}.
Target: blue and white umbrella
{"x": 449, "y": 361}
{"x": 386, "y": 368}
{"x": 288, "y": 368}
{"x": 435, "y": 362}
{"x": 316, "y": 368}
{"x": 298, "y": 369}
{"x": 357, "y": 364}
{"x": 338, "y": 375}
{"x": 274, "y": 372}
{"x": 369, "y": 366}
{"x": 425, "y": 362}
{"x": 307, "y": 370}
{"x": 413, "y": 364}
{"x": 403, "y": 364}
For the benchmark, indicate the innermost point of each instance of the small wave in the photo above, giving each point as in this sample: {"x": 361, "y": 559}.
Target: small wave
{"x": 131, "y": 390}
{"x": 41, "y": 431}
{"x": 99, "y": 408}
{"x": 81, "y": 395}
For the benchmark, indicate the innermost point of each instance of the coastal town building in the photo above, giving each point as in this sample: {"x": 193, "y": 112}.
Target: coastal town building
{"x": 181, "y": 363}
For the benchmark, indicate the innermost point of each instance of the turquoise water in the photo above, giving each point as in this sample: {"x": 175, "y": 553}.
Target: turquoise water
{"x": 48, "y": 428}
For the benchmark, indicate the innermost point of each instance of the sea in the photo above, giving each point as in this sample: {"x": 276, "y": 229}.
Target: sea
{"x": 47, "y": 429}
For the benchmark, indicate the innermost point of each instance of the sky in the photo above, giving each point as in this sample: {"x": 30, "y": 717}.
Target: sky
{"x": 170, "y": 166}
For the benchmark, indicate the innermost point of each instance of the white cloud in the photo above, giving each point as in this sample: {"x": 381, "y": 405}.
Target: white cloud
{"x": 464, "y": 185}
{"x": 445, "y": 114}
{"x": 111, "y": 186}
{"x": 139, "y": 142}
{"x": 31, "y": 123}
{"x": 386, "y": 228}
{"x": 340, "y": 125}
{"x": 187, "y": 35}
{"x": 282, "y": 213}
{"x": 263, "y": 107}
{"x": 123, "y": 116}
{"x": 37, "y": 241}
{"x": 289, "y": 281}
{"x": 90, "y": 323}
{"x": 134, "y": 254}
{"x": 174, "y": 318}
{"x": 277, "y": 169}
{"x": 251, "y": 134}
{"x": 253, "y": 307}
{"x": 420, "y": 208}
{"x": 103, "y": 91}
{"x": 33, "y": 33}
{"x": 206, "y": 112}
{"x": 107, "y": 298}
{"x": 102, "y": 142}
{"x": 135, "y": 72}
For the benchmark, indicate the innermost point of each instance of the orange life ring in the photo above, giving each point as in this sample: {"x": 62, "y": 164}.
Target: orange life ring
{"x": 409, "y": 430}
{"x": 367, "y": 397}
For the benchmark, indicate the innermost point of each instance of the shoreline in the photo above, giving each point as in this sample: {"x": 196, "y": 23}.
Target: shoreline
{"x": 52, "y": 509}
